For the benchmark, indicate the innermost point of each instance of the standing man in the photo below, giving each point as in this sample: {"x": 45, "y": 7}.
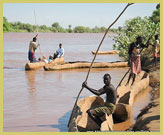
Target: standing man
{"x": 60, "y": 51}
{"x": 134, "y": 58}
{"x": 111, "y": 97}
{"x": 32, "y": 47}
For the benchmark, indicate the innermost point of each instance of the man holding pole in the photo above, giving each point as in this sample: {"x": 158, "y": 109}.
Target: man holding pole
{"x": 110, "y": 104}
{"x": 32, "y": 47}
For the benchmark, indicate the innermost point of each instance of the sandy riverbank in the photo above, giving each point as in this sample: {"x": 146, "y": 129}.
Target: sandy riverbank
{"x": 149, "y": 118}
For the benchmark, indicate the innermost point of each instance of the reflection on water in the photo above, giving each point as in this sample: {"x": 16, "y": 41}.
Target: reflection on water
{"x": 62, "y": 123}
{"x": 40, "y": 100}
{"x": 30, "y": 75}
{"x": 141, "y": 101}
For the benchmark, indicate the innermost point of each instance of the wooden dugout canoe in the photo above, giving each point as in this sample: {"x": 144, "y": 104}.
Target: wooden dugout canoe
{"x": 38, "y": 65}
{"x": 127, "y": 95}
{"x": 83, "y": 64}
{"x": 105, "y": 52}
{"x": 81, "y": 120}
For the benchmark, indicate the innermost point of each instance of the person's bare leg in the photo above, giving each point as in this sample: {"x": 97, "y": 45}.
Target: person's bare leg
{"x": 94, "y": 118}
{"x": 128, "y": 79}
{"x": 133, "y": 76}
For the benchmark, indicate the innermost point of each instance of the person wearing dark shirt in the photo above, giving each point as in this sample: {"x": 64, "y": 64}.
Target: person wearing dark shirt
{"x": 111, "y": 97}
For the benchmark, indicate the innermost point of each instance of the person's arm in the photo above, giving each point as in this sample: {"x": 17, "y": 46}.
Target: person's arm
{"x": 96, "y": 92}
{"x": 58, "y": 53}
{"x": 130, "y": 49}
{"x": 144, "y": 46}
{"x": 35, "y": 46}
{"x": 36, "y": 35}
{"x": 115, "y": 92}
{"x": 62, "y": 52}
{"x": 129, "y": 53}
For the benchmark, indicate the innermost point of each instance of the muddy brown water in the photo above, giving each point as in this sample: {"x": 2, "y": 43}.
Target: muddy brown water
{"x": 41, "y": 101}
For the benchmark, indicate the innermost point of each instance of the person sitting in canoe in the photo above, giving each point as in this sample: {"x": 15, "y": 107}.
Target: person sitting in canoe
{"x": 32, "y": 47}
{"x": 44, "y": 59}
{"x": 111, "y": 97}
{"x": 60, "y": 51}
{"x": 55, "y": 55}
{"x": 50, "y": 58}
{"x": 47, "y": 60}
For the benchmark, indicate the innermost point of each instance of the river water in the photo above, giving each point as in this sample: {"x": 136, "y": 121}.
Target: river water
{"x": 41, "y": 101}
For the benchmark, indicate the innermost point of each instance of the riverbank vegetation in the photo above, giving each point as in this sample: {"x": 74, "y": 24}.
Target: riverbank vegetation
{"x": 55, "y": 27}
{"x": 145, "y": 27}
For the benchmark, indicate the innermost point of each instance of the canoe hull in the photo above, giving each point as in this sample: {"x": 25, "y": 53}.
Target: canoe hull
{"x": 38, "y": 65}
{"x": 105, "y": 52}
{"x": 34, "y": 66}
{"x": 77, "y": 65}
{"x": 127, "y": 95}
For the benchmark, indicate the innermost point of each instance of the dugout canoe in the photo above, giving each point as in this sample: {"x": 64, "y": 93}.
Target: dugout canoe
{"x": 105, "y": 52}
{"x": 81, "y": 122}
{"x": 84, "y": 64}
{"x": 127, "y": 95}
{"x": 38, "y": 65}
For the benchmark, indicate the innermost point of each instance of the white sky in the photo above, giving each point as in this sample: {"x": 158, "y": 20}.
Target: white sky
{"x": 75, "y": 14}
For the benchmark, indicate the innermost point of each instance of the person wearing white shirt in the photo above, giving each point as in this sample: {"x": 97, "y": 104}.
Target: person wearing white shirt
{"x": 60, "y": 51}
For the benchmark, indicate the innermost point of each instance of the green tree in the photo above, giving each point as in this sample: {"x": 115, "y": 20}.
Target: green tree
{"x": 79, "y": 29}
{"x": 156, "y": 14}
{"x": 6, "y": 25}
{"x": 133, "y": 28}
{"x": 96, "y": 29}
{"x": 56, "y": 26}
{"x": 102, "y": 29}
{"x": 69, "y": 30}
{"x": 27, "y": 27}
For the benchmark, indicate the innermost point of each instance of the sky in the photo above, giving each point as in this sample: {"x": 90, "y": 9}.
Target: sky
{"x": 75, "y": 14}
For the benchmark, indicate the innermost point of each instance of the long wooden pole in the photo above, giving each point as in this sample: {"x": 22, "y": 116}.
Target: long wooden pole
{"x": 37, "y": 33}
{"x": 95, "y": 57}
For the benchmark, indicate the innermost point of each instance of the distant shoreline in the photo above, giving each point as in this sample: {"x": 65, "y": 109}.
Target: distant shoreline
{"x": 61, "y": 32}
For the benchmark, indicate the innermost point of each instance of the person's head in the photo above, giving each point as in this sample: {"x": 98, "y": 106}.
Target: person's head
{"x": 139, "y": 39}
{"x": 34, "y": 39}
{"x": 60, "y": 45}
{"x": 50, "y": 57}
{"x": 156, "y": 36}
{"x": 107, "y": 79}
{"x": 39, "y": 59}
{"x": 44, "y": 57}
